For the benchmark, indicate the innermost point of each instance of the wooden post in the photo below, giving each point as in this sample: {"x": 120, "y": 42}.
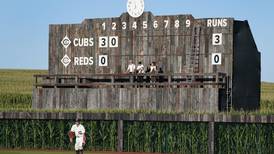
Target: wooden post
{"x": 169, "y": 81}
{"x": 56, "y": 81}
{"x": 112, "y": 81}
{"x": 36, "y": 80}
{"x": 76, "y": 81}
{"x": 211, "y": 137}
{"x": 120, "y": 135}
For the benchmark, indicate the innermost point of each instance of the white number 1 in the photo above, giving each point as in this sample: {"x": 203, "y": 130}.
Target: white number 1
{"x": 104, "y": 26}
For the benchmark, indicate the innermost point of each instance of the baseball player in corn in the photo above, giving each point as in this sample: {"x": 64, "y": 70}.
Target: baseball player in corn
{"x": 78, "y": 131}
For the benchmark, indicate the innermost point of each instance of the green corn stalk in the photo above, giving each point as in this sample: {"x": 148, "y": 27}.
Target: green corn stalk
{"x": 113, "y": 135}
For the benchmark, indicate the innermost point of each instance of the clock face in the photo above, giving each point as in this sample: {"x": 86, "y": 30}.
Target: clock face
{"x": 135, "y": 8}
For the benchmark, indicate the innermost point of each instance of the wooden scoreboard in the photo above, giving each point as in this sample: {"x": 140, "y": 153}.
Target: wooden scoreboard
{"x": 209, "y": 64}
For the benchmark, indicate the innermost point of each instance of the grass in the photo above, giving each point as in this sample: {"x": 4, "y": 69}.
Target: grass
{"x": 267, "y": 91}
{"x": 17, "y": 81}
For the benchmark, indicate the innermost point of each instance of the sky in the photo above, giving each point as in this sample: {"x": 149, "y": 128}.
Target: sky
{"x": 24, "y": 24}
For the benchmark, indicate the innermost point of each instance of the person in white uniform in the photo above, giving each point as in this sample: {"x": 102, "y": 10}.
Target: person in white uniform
{"x": 78, "y": 131}
{"x": 131, "y": 70}
{"x": 140, "y": 70}
{"x": 131, "y": 67}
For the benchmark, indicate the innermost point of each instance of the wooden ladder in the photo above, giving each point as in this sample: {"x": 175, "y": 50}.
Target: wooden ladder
{"x": 194, "y": 55}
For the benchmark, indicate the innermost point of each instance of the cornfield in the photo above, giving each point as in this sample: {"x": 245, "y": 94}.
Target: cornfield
{"x": 175, "y": 137}
{"x": 15, "y": 101}
{"x": 52, "y": 134}
{"x": 244, "y": 138}
{"x": 165, "y": 137}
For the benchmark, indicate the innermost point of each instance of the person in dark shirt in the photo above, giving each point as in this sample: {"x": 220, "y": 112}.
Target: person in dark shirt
{"x": 153, "y": 71}
{"x": 161, "y": 77}
{"x": 140, "y": 70}
{"x": 147, "y": 76}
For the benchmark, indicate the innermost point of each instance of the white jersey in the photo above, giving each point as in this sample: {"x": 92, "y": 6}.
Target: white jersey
{"x": 140, "y": 68}
{"x": 79, "y": 134}
{"x": 153, "y": 69}
{"x": 131, "y": 68}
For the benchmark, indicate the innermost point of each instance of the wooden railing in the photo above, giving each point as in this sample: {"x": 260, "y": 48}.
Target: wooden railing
{"x": 129, "y": 80}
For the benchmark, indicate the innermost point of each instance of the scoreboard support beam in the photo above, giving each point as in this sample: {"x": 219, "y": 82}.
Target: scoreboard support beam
{"x": 120, "y": 135}
{"x": 211, "y": 137}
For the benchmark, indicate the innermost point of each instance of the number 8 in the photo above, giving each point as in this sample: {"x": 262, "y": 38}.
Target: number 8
{"x": 177, "y": 24}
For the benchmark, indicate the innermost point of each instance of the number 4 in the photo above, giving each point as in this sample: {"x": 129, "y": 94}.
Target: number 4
{"x": 217, "y": 39}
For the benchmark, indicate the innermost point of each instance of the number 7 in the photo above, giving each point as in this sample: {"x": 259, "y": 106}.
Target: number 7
{"x": 166, "y": 23}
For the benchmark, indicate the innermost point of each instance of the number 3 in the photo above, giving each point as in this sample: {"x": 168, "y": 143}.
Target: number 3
{"x": 217, "y": 39}
{"x": 103, "y": 42}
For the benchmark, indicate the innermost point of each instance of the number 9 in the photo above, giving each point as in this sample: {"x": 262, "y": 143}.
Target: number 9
{"x": 187, "y": 23}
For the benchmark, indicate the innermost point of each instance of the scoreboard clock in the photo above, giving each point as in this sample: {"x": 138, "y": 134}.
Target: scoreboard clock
{"x": 179, "y": 44}
{"x": 135, "y": 8}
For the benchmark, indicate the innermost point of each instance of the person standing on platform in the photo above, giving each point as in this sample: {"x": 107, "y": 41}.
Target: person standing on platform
{"x": 147, "y": 76}
{"x": 140, "y": 70}
{"x": 131, "y": 69}
{"x": 153, "y": 71}
{"x": 161, "y": 77}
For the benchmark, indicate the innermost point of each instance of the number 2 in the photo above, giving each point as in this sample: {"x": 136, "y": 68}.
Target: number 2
{"x": 114, "y": 26}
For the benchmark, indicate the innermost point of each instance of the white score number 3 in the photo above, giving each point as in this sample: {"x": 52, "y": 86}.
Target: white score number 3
{"x": 217, "y": 39}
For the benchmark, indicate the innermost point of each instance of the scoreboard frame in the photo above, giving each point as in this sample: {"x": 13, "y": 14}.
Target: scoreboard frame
{"x": 180, "y": 44}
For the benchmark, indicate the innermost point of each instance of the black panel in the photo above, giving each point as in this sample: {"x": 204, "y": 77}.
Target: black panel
{"x": 246, "y": 69}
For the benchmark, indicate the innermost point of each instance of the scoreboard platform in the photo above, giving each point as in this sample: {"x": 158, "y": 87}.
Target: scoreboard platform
{"x": 208, "y": 65}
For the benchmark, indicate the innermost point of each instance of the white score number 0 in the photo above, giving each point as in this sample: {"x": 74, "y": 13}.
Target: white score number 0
{"x": 216, "y": 59}
{"x": 103, "y": 60}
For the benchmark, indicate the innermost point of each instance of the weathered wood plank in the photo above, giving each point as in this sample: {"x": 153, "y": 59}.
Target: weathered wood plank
{"x": 227, "y": 118}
